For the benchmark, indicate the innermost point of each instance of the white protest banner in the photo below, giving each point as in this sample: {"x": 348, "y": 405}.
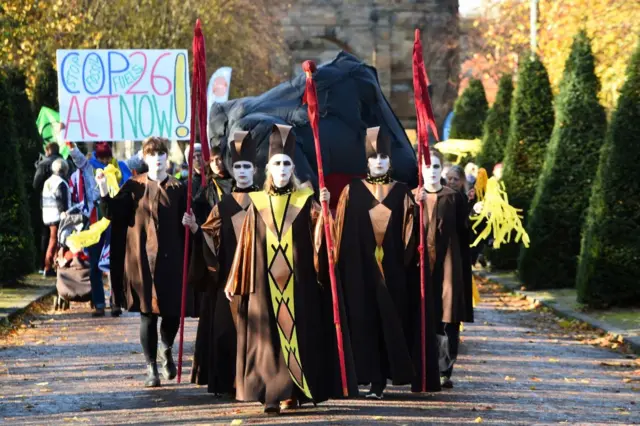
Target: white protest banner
{"x": 116, "y": 95}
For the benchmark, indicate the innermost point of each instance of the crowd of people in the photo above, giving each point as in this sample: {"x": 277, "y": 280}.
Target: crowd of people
{"x": 259, "y": 269}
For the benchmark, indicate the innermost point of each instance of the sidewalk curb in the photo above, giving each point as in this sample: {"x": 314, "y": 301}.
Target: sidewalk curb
{"x": 513, "y": 286}
{"x": 41, "y": 295}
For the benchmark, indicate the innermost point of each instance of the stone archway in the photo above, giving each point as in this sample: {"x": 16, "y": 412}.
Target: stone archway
{"x": 318, "y": 49}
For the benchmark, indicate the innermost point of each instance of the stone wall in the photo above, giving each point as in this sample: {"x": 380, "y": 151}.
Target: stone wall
{"x": 381, "y": 33}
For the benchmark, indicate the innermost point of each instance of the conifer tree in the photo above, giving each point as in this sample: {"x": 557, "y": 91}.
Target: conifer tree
{"x": 16, "y": 240}
{"x": 558, "y": 210}
{"x": 496, "y": 127}
{"x": 529, "y": 133}
{"x": 609, "y": 264}
{"x": 28, "y": 141}
{"x": 469, "y": 112}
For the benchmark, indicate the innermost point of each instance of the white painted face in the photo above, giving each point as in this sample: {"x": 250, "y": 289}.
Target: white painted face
{"x": 433, "y": 173}
{"x": 281, "y": 168}
{"x": 243, "y": 172}
{"x": 378, "y": 165}
{"x": 157, "y": 164}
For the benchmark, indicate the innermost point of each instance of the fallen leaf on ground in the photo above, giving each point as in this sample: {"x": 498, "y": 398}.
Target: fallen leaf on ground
{"x": 535, "y": 379}
{"x": 509, "y": 378}
{"x": 42, "y": 384}
{"x": 554, "y": 360}
{"x": 236, "y": 422}
{"x": 478, "y": 420}
{"x": 532, "y": 387}
{"x": 378, "y": 418}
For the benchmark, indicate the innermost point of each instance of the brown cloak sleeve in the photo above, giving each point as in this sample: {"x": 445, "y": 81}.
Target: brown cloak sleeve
{"x": 319, "y": 242}
{"x": 241, "y": 280}
{"x": 203, "y": 262}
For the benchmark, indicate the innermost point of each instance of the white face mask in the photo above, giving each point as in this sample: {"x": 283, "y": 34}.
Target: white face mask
{"x": 157, "y": 164}
{"x": 243, "y": 172}
{"x": 281, "y": 168}
{"x": 433, "y": 173}
{"x": 378, "y": 165}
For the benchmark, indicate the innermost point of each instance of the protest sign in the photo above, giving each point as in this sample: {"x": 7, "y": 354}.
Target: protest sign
{"x": 115, "y": 95}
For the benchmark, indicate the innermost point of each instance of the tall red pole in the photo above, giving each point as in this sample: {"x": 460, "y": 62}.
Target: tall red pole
{"x": 199, "y": 109}
{"x": 425, "y": 120}
{"x": 311, "y": 99}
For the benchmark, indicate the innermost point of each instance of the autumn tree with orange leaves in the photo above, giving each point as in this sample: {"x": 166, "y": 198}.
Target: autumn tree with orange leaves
{"x": 501, "y": 34}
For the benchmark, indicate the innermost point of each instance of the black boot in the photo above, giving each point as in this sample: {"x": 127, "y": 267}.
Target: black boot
{"x": 169, "y": 370}
{"x": 153, "y": 379}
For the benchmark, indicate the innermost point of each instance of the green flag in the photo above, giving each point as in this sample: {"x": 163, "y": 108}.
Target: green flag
{"x": 48, "y": 123}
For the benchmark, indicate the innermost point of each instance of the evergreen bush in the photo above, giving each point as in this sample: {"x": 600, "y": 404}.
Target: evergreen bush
{"x": 496, "y": 127}
{"x": 16, "y": 240}
{"x": 562, "y": 197}
{"x": 469, "y": 112}
{"x": 609, "y": 264}
{"x": 45, "y": 92}
{"x": 29, "y": 144}
{"x": 530, "y": 128}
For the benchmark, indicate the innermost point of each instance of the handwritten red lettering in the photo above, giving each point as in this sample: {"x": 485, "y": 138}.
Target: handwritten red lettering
{"x": 144, "y": 68}
{"x": 84, "y": 115}
{"x": 74, "y": 101}
{"x": 160, "y": 77}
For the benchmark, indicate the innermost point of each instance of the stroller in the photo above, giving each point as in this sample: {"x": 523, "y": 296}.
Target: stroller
{"x": 73, "y": 273}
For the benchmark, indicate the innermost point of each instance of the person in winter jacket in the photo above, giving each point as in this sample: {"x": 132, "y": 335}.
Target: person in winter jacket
{"x": 101, "y": 157}
{"x": 56, "y": 201}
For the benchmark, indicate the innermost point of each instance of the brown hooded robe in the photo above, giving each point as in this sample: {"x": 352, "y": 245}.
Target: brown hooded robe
{"x": 153, "y": 254}
{"x": 214, "y": 360}
{"x": 286, "y": 336}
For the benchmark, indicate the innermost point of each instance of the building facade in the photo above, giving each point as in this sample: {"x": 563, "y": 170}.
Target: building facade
{"x": 381, "y": 33}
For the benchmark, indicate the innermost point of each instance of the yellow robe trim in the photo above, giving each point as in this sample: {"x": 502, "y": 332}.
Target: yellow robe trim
{"x": 280, "y": 255}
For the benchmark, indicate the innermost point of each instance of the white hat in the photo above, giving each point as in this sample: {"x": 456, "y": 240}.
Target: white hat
{"x": 196, "y": 148}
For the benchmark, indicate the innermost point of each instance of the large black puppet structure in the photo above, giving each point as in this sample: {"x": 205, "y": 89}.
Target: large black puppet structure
{"x": 350, "y": 100}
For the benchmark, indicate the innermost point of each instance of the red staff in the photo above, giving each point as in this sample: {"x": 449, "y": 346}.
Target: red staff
{"x": 425, "y": 120}
{"x": 199, "y": 94}
{"x": 311, "y": 99}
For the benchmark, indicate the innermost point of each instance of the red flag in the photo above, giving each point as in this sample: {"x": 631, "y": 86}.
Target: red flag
{"x": 425, "y": 120}
{"x": 199, "y": 110}
{"x": 424, "y": 111}
{"x": 310, "y": 98}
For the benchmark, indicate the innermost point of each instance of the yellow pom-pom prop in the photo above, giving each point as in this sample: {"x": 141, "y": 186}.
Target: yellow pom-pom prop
{"x": 79, "y": 240}
{"x": 501, "y": 218}
{"x": 481, "y": 183}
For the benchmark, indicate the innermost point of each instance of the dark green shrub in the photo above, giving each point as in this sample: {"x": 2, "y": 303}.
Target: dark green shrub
{"x": 469, "y": 112}
{"x": 529, "y": 132}
{"x": 16, "y": 238}
{"x": 609, "y": 264}
{"x": 562, "y": 196}
{"x": 496, "y": 127}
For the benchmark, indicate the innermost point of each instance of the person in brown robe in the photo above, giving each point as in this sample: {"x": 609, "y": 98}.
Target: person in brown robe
{"x": 449, "y": 261}
{"x": 151, "y": 206}
{"x": 213, "y": 248}
{"x": 375, "y": 230}
{"x": 286, "y": 337}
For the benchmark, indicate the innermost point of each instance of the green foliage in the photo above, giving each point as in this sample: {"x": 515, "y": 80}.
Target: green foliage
{"x": 529, "y": 132}
{"x": 16, "y": 240}
{"x": 609, "y": 264}
{"x": 469, "y": 112}
{"x": 28, "y": 141}
{"x": 45, "y": 92}
{"x": 562, "y": 196}
{"x": 496, "y": 127}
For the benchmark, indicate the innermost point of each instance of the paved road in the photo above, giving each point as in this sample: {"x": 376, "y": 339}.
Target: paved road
{"x": 518, "y": 366}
